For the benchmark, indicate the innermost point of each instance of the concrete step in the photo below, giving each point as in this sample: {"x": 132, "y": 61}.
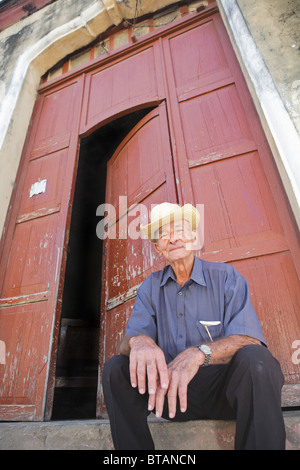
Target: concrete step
{"x": 95, "y": 435}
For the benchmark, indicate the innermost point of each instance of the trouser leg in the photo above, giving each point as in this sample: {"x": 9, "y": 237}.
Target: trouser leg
{"x": 126, "y": 407}
{"x": 128, "y": 410}
{"x": 253, "y": 388}
{"x": 248, "y": 389}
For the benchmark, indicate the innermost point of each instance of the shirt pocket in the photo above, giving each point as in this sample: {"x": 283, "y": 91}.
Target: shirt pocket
{"x": 210, "y": 330}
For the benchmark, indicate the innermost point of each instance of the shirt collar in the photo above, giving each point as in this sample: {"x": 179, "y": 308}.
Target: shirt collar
{"x": 196, "y": 276}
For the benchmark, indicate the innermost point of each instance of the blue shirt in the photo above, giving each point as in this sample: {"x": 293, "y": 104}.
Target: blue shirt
{"x": 171, "y": 314}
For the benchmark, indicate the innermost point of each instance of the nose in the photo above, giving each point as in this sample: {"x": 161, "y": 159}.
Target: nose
{"x": 173, "y": 237}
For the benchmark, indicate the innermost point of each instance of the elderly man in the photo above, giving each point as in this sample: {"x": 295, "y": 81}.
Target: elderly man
{"x": 193, "y": 347}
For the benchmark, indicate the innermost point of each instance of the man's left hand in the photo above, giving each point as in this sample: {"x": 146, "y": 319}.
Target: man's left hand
{"x": 181, "y": 371}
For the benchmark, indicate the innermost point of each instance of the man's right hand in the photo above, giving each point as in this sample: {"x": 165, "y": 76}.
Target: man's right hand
{"x": 146, "y": 359}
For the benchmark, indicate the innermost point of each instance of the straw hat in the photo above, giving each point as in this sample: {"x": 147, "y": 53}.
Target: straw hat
{"x": 167, "y": 212}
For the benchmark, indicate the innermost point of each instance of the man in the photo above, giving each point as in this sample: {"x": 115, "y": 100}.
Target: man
{"x": 193, "y": 347}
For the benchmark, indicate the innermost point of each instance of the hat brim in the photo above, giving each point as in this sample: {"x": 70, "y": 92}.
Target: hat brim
{"x": 186, "y": 212}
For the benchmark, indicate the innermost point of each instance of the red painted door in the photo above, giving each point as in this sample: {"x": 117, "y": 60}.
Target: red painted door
{"x": 224, "y": 162}
{"x": 139, "y": 172}
{"x": 32, "y": 255}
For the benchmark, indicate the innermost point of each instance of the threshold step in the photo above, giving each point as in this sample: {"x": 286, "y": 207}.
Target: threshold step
{"x": 95, "y": 434}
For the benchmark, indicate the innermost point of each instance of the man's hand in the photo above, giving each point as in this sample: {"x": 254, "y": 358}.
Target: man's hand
{"x": 146, "y": 359}
{"x": 185, "y": 366}
{"x": 181, "y": 371}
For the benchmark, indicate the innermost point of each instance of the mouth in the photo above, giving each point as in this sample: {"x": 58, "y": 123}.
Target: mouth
{"x": 176, "y": 248}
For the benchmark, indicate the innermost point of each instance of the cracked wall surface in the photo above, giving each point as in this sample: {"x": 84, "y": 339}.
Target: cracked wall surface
{"x": 275, "y": 27}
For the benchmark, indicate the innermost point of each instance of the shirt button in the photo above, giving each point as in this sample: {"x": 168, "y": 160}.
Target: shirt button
{"x": 181, "y": 314}
{"x": 180, "y": 293}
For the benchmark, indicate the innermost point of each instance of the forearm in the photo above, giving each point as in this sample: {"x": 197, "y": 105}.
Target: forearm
{"x": 224, "y": 349}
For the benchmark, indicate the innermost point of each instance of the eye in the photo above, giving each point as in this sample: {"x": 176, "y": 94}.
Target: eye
{"x": 164, "y": 235}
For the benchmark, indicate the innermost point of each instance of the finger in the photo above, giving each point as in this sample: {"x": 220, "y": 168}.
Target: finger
{"x": 132, "y": 370}
{"x": 141, "y": 375}
{"x": 172, "y": 395}
{"x": 151, "y": 402}
{"x": 152, "y": 376}
{"x": 160, "y": 401}
{"x": 163, "y": 372}
{"x": 182, "y": 393}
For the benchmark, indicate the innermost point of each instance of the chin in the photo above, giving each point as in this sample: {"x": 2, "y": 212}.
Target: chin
{"x": 179, "y": 254}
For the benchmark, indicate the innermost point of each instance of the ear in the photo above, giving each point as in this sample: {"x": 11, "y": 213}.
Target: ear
{"x": 156, "y": 246}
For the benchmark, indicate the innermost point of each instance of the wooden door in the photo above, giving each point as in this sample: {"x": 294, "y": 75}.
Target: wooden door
{"x": 32, "y": 255}
{"x": 224, "y": 162}
{"x": 139, "y": 172}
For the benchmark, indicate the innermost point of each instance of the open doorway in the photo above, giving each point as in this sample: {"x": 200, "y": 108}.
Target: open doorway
{"x": 77, "y": 357}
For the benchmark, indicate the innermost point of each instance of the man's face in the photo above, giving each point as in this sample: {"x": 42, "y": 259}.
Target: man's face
{"x": 176, "y": 240}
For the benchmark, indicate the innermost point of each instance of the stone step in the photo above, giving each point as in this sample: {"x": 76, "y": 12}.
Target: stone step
{"x": 95, "y": 435}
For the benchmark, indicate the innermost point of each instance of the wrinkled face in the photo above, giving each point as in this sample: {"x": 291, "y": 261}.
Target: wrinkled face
{"x": 176, "y": 240}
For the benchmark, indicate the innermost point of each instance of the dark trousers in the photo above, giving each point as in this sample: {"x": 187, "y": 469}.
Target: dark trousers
{"x": 248, "y": 389}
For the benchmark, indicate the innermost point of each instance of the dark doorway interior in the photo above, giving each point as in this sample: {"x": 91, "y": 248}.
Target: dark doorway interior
{"x": 77, "y": 357}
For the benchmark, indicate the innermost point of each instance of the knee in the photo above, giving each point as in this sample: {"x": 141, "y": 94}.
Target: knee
{"x": 258, "y": 360}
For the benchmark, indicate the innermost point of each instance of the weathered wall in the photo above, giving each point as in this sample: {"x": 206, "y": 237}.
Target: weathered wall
{"x": 33, "y": 45}
{"x": 275, "y": 26}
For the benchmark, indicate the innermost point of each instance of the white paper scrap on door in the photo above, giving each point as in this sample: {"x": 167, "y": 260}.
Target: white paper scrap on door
{"x": 38, "y": 188}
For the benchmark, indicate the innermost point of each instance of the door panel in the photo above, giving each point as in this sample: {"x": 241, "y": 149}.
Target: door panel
{"x": 239, "y": 209}
{"x": 56, "y": 121}
{"x": 47, "y": 198}
{"x": 141, "y": 170}
{"x": 120, "y": 86}
{"x": 25, "y": 329}
{"x": 32, "y": 255}
{"x": 219, "y": 127}
{"x": 208, "y": 67}
{"x": 275, "y": 294}
{"x": 31, "y": 259}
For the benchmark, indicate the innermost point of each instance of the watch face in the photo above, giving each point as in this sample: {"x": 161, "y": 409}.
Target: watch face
{"x": 206, "y": 349}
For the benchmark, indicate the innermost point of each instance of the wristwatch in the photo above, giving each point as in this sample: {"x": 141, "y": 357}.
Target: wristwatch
{"x": 207, "y": 351}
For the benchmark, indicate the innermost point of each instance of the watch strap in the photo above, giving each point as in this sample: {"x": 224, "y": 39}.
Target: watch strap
{"x": 207, "y": 351}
